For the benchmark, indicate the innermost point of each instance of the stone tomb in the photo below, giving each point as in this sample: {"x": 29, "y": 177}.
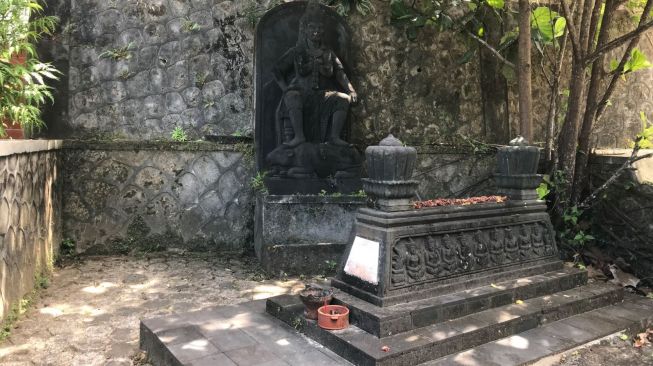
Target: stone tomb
{"x": 303, "y": 96}
{"x": 425, "y": 283}
{"x": 422, "y": 287}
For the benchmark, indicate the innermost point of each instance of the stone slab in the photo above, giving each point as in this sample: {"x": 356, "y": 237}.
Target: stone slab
{"x": 385, "y": 321}
{"x": 241, "y": 335}
{"x": 303, "y": 234}
{"x": 430, "y": 342}
{"x": 556, "y": 337}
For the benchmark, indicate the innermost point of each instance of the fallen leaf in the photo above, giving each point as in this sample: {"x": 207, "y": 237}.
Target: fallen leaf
{"x": 623, "y": 337}
{"x": 519, "y": 302}
{"x": 385, "y": 349}
{"x": 493, "y": 285}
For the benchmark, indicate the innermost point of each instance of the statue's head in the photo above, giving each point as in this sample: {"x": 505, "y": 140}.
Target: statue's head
{"x": 311, "y": 26}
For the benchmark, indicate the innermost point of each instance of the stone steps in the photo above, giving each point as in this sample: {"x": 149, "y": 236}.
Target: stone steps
{"x": 386, "y": 321}
{"x": 434, "y": 341}
{"x": 633, "y": 314}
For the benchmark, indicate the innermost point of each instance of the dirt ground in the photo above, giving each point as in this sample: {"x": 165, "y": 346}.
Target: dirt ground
{"x": 89, "y": 315}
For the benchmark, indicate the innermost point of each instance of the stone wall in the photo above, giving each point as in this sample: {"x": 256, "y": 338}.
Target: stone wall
{"x": 445, "y": 172}
{"x": 121, "y": 197}
{"x": 30, "y": 216}
{"x": 137, "y": 69}
{"x": 623, "y": 218}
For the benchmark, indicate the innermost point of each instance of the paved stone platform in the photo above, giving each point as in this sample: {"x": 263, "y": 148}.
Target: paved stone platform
{"x": 245, "y": 335}
{"x": 242, "y": 335}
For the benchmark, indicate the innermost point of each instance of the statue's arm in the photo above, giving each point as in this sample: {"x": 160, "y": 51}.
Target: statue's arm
{"x": 343, "y": 80}
{"x": 281, "y": 69}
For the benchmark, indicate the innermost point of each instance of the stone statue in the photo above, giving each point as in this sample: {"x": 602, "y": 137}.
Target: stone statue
{"x": 303, "y": 98}
{"x": 311, "y": 77}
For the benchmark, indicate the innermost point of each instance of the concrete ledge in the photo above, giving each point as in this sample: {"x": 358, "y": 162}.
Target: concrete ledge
{"x": 12, "y": 147}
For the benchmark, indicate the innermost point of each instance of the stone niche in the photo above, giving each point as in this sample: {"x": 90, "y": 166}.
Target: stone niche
{"x": 317, "y": 164}
{"x": 302, "y": 99}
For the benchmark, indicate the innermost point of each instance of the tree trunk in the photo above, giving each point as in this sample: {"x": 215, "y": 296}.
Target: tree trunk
{"x": 524, "y": 70}
{"x": 494, "y": 88}
{"x": 592, "y": 99}
{"x": 568, "y": 141}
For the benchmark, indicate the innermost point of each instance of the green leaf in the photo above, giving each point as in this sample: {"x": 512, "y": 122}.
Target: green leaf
{"x": 496, "y": 4}
{"x": 638, "y": 61}
{"x": 543, "y": 191}
{"x": 547, "y": 24}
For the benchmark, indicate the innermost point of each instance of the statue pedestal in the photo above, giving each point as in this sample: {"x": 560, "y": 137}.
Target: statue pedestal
{"x": 299, "y": 234}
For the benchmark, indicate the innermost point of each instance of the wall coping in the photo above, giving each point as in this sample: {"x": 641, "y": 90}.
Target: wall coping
{"x": 138, "y": 145}
{"x": 616, "y": 156}
{"x": 13, "y": 147}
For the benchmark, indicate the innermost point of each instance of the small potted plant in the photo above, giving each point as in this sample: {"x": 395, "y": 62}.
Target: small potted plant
{"x": 314, "y": 297}
{"x": 23, "y": 88}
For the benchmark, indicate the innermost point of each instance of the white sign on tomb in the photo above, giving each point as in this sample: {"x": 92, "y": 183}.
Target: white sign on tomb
{"x": 363, "y": 260}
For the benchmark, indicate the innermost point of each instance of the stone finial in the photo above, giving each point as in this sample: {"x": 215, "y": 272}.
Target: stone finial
{"x": 390, "y": 167}
{"x": 391, "y": 141}
{"x": 516, "y": 175}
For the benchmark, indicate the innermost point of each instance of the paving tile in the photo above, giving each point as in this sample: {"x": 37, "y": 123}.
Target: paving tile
{"x": 193, "y": 350}
{"x": 254, "y": 356}
{"x": 218, "y": 359}
{"x": 180, "y": 335}
{"x": 230, "y": 339}
{"x": 156, "y": 325}
{"x": 563, "y": 330}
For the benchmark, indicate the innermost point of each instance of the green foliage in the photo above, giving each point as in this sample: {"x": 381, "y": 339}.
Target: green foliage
{"x": 258, "y": 183}
{"x": 571, "y": 215}
{"x": 68, "y": 247}
{"x": 581, "y": 238}
{"x": 496, "y": 4}
{"x": 119, "y": 53}
{"x": 360, "y": 193}
{"x": 636, "y": 62}
{"x": 179, "y": 135}
{"x": 344, "y": 7}
{"x": 547, "y": 25}
{"x": 247, "y": 149}
{"x": 23, "y": 88}
{"x": 190, "y": 26}
{"x": 543, "y": 190}
{"x": 331, "y": 265}
{"x": 644, "y": 139}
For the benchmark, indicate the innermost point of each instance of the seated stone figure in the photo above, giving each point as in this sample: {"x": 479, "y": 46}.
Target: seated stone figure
{"x": 312, "y": 112}
{"x": 310, "y": 76}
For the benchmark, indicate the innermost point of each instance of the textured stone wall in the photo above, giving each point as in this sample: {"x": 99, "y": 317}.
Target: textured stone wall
{"x": 138, "y": 69}
{"x": 623, "y": 218}
{"x": 124, "y": 197}
{"x": 449, "y": 173}
{"x": 189, "y": 64}
{"x": 30, "y": 220}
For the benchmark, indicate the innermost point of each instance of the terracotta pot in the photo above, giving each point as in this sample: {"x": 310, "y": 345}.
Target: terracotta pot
{"x": 333, "y": 317}
{"x": 313, "y": 297}
{"x": 13, "y": 131}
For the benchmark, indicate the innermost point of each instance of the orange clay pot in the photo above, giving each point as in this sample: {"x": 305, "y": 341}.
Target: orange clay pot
{"x": 333, "y": 317}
